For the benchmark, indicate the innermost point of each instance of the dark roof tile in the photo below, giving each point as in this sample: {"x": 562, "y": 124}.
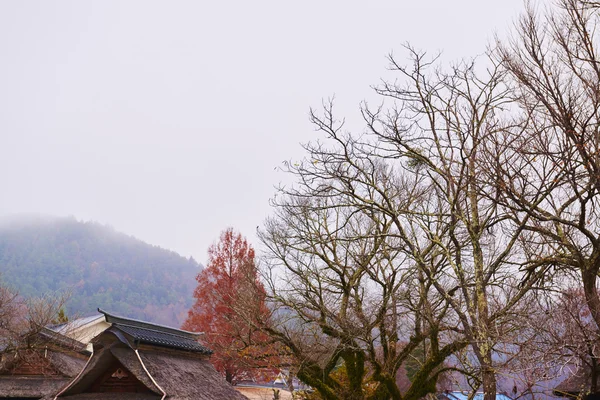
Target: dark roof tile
{"x": 164, "y": 339}
{"x": 159, "y": 335}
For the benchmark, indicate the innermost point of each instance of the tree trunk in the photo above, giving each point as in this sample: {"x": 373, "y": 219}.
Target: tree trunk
{"x": 489, "y": 382}
{"x": 589, "y": 276}
{"x": 594, "y": 376}
{"x": 290, "y": 382}
{"x": 229, "y": 376}
{"x": 488, "y": 375}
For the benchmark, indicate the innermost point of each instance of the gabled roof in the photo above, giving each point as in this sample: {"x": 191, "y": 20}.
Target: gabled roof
{"x": 42, "y": 370}
{"x": 158, "y": 335}
{"x": 45, "y": 365}
{"x": 180, "y": 373}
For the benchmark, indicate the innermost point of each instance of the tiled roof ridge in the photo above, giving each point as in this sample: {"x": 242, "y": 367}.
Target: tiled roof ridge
{"x": 118, "y": 324}
{"x": 135, "y": 323}
{"x": 160, "y": 338}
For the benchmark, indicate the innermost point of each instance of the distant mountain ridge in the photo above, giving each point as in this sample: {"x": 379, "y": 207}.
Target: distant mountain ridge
{"x": 100, "y": 266}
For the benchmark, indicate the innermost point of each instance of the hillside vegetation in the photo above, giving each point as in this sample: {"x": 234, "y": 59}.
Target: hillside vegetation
{"x": 100, "y": 266}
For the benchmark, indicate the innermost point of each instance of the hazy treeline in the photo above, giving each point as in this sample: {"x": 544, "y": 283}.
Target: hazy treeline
{"x": 98, "y": 266}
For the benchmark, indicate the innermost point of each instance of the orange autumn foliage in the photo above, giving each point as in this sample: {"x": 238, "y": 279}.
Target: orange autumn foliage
{"x": 230, "y": 304}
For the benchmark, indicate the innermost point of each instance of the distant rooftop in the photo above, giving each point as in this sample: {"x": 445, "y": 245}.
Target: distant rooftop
{"x": 465, "y": 395}
{"x": 76, "y": 323}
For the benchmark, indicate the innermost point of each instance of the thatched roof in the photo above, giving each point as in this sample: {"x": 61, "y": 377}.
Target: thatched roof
{"x": 63, "y": 368}
{"x": 181, "y": 376}
{"x": 67, "y": 364}
{"x": 102, "y": 360}
{"x": 112, "y": 396}
{"x": 182, "y": 370}
{"x": 43, "y": 369}
{"x": 31, "y": 386}
{"x": 188, "y": 377}
{"x": 49, "y": 336}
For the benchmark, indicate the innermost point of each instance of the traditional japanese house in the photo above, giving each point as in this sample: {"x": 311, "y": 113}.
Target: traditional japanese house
{"x": 42, "y": 364}
{"x": 138, "y": 360}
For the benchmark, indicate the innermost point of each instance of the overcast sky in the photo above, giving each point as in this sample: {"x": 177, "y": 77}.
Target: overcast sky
{"x": 168, "y": 119}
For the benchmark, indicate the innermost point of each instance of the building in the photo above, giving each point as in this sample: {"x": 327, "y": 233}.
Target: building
{"x": 138, "y": 360}
{"x": 83, "y": 329}
{"x": 463, "y": 395}
{"x": 44, "y": 364}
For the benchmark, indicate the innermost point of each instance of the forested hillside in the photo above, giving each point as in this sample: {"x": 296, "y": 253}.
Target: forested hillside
{"x": 102, "y": 267}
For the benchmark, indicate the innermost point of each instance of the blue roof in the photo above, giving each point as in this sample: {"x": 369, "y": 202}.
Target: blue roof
{"x": 478, "y": 396}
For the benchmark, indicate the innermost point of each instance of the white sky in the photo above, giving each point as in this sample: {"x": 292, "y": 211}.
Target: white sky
{"x": 167, "y": 119}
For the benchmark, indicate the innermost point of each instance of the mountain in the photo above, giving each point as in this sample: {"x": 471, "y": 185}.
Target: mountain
{"x": 98, "y": 265}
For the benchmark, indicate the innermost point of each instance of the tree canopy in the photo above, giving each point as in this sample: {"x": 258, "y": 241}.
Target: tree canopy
{"x": 471, "y": 192}
{"x": 229, "y": 298}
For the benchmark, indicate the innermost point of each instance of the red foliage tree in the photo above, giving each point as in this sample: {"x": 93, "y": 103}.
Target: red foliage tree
{"x": 230, "y": 301}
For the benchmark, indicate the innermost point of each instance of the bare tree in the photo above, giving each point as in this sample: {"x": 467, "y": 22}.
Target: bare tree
{"x": 408, "y": 204}
{"x": 22, "y": 320}
{"x": 343, "y": 267}
{"x": 443, "y": 127}
{"x": 573, "y": 336}
{"x": 10, "y": 310}
{"x": 552, "y": 171}
{"x": 527, "y": 362}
